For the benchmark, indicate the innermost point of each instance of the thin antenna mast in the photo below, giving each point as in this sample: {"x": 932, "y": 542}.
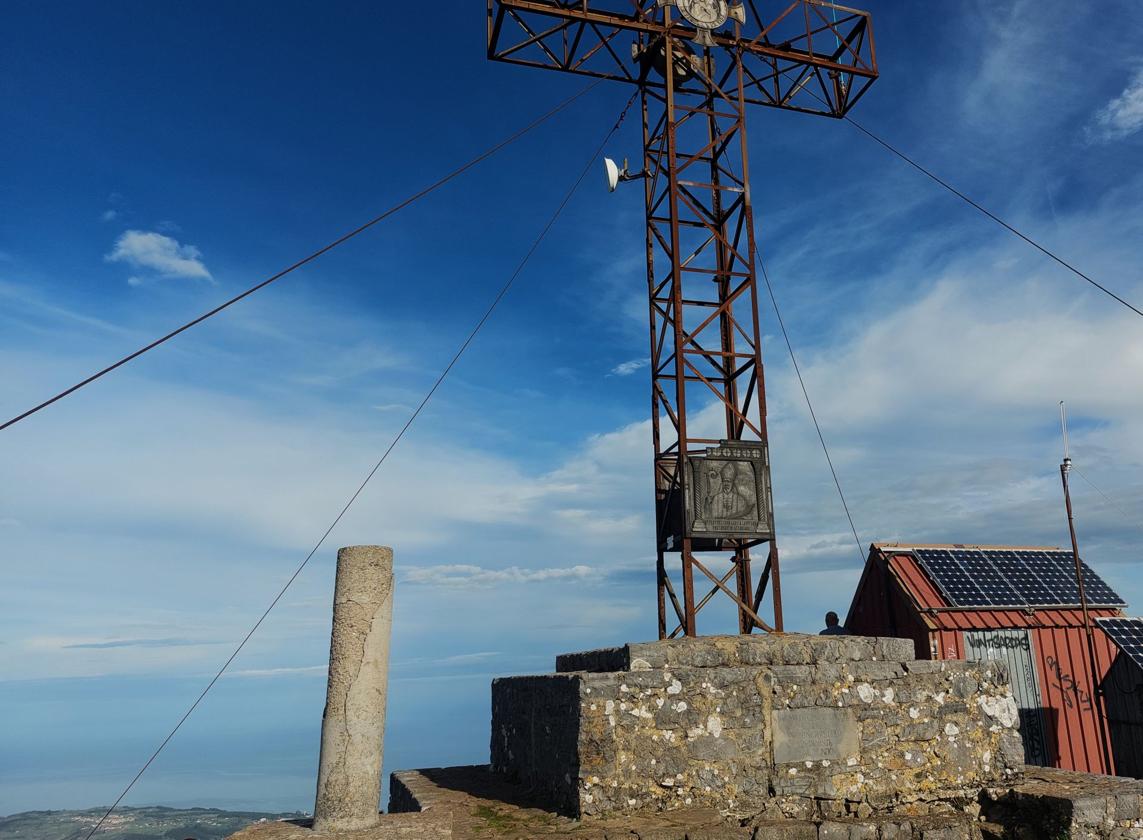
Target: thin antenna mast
{"x": 1097, "y": 690}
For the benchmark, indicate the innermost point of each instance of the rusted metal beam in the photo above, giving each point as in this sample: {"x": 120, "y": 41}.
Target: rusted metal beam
{"x": 836, "y": 57}
{"x": 812, "y": 56}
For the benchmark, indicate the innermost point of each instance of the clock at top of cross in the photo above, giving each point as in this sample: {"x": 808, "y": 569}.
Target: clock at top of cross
{"x": 707, "y": 15}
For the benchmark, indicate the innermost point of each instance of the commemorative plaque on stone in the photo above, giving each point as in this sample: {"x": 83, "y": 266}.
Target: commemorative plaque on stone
{"x": 814, "y": 734}
{"x": 728, "y": 492}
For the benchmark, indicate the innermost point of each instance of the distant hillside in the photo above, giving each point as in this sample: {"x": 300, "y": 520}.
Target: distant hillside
{"x": 153, "y": 823}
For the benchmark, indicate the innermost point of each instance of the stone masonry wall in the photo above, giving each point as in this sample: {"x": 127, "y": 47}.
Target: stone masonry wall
{"x": 538, "y": 739}
{"x": 789, "y": 725}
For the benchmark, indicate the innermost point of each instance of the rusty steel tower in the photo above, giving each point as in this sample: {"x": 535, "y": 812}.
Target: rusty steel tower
{"x": 698, "y": 64}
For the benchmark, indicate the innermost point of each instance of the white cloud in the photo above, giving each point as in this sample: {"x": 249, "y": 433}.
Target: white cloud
{"x": 465, "y": 658}
{"x": 467, "y": 576}
{"x": 976, "y": 323}
{"x": 109, "y": 644}
{"x": 305, "y": 670}
{"x": 1001, "y": 71}
{"x": 163, "y": 255}
{"x": 1122, "y": 116}
{"x": 109, "y": 215}
{"x": 937, "y": 398}
{"x": 628, "y": 368}
{"x": 455, "y": 659}
{"x": 31, "y": 309}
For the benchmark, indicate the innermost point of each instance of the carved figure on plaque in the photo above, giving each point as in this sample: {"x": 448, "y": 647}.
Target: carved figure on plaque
{"x": 728, "y": 491}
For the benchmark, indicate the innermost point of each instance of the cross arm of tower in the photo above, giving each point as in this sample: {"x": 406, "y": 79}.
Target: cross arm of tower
{"x": 814, "y": 56}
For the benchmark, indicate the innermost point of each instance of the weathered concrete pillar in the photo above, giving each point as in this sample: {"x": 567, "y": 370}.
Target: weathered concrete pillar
{"x": 353, "y": 726}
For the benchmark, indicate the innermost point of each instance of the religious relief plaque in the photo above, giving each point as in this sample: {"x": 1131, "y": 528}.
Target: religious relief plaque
{"x": 728, "y": 492}
{"x": 815, "y": 734}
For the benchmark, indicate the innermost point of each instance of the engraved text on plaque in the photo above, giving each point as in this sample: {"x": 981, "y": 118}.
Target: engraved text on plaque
{"x": 814, "y": 734}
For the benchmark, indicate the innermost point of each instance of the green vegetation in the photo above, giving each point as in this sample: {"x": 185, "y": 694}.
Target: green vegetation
{"x": 499, "y": 822}
{"x": 152, "y": 823}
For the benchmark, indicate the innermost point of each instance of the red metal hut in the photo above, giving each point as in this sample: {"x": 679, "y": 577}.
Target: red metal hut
{"x": 1015, "y": 603}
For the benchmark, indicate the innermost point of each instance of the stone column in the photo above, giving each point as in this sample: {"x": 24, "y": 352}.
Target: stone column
{"x": 353, "y": 726}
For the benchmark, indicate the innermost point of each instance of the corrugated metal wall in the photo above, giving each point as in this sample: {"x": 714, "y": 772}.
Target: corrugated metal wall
{"x": 1067, "y": 687}
{"x": 895, "y": 598}
{"x": 1014, "y": 649}
{"x": 1123, "y": 694}
{"x": 881, "y": 608}
{"x": 1070, "y": 725}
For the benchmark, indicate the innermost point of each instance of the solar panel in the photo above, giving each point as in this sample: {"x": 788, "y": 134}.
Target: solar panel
{"x": 1127, "y": 633}
{"x": 1029, "y": 588}
{"x": 1060, "y": 582}
{"x": 1096, "y": 589}
{"x": 996, "y": 588}
{"x": 952, "y": 578}
{"x": 1002, "y": 578}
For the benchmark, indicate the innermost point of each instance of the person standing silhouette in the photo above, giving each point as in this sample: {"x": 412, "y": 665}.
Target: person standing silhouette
{"x": 832, "y": 628}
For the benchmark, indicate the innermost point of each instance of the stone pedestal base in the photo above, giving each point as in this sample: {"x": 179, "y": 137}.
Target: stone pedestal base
{"x": 804, "y": 727}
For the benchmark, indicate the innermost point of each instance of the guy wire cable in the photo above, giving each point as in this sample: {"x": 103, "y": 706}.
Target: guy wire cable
{"x": 392, "y": 445}
{"x": 1106, "y": 498}
{"x": 990, "y": 214}
{"x": 806, "y": 394}
{"x": 305, "y": 260}
{"x": 805, "y": 391}
{"x": 972, "y": 203}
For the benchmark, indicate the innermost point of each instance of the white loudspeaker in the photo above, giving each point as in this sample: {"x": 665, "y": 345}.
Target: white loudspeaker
{"x": 612, "y": 174}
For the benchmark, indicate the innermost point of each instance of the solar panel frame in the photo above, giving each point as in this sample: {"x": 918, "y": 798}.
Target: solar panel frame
{"x": 1012, "y": 578}
{"x": 1127, "y": 635}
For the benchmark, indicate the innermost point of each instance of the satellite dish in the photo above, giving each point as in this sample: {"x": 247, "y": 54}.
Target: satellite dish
{"x": 616, "y": 175}
{"x": 612, "y": 174}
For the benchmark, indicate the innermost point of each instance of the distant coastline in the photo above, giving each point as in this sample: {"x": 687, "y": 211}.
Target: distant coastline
{"x": 140, "y": 823}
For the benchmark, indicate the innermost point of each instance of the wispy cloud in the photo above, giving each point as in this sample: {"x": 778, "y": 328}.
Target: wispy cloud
{"x": 465, "y": 658}
{"x": 304, "y": 670}
{"x": 465, "y": 576}
{"x": 456, "y": 659}
{"x": 630, "y": 367}
{"x": 163, "y": 256}
{"x": 322, "y": 670}
{"x": 1122, "y": 116}
{"x": 132, "y": 643}
{"x": 34, "y": 308}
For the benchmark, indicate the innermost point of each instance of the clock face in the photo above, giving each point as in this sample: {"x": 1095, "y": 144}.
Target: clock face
{"x": 707, "y": 14}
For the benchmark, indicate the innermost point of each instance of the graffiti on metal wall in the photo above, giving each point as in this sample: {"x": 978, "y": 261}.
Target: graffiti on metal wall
{"x": 1073, "y": 695}
{"x": 998, "y": 641}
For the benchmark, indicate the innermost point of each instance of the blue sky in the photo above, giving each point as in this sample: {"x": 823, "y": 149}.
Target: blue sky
{"x": 157, "y": 159}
